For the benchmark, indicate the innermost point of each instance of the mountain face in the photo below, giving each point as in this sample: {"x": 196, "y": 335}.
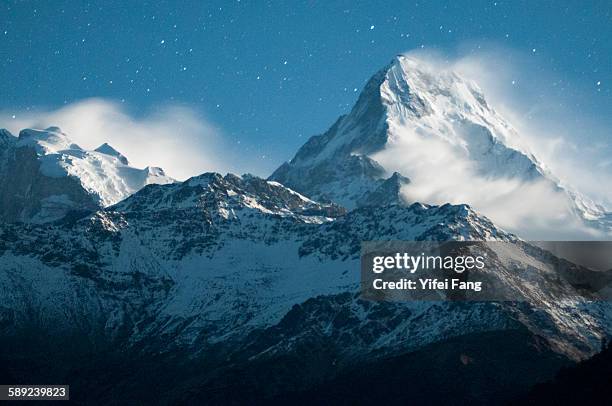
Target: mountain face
{"x": 414, "y": 108}
{"x": 209, "y": 257}
{"x": 225, "y": 275}
{"x": 44, "y": 175}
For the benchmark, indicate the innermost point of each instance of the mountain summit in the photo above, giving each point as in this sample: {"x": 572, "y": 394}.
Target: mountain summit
{"x": 428, "y": 124}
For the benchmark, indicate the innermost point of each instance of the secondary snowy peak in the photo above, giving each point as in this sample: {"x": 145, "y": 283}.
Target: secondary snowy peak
{"x": 44, "y": 175}
{"x": 108, "y": 150}
{"x": 387, "y": 194}
{"x": 425, "y": 122}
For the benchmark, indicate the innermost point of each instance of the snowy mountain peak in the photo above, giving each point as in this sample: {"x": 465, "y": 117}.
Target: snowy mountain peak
{"x": 44, "y": 176}
{"x": 431, "y": 125}
{"x": 410, "y": 86}
{"x": 408, "y": 98}
{"x": 415, "y": 88}
{"x": 108, "y": 150}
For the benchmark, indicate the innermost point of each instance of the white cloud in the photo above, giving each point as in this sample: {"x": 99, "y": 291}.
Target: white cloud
{"x": 573, "y": 142}
{"x": 440, "y": 173}
{"x": 175, "y": 138}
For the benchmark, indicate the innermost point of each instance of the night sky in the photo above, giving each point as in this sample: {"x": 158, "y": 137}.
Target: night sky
{"x": 271, "y": 74}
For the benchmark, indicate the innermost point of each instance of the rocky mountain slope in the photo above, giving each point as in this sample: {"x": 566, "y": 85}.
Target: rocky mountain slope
{"x": 250, "y": 271}
{"x": 44, "y": 175}
{"x": 234, "y": 252}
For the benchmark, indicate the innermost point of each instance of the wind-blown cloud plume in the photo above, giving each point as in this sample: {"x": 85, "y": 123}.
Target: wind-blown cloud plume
{"x": 573, "y": 143}
{"x": 440, "y": 174}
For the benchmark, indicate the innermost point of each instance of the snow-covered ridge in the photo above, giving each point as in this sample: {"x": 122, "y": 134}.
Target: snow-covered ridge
{"x": 224, "y": 195}
{"x": 56, "y": 176}
{"x": 238, "y": 252}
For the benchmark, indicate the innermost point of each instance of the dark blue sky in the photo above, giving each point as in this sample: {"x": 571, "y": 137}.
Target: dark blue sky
{"x": 271, "y": 74}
